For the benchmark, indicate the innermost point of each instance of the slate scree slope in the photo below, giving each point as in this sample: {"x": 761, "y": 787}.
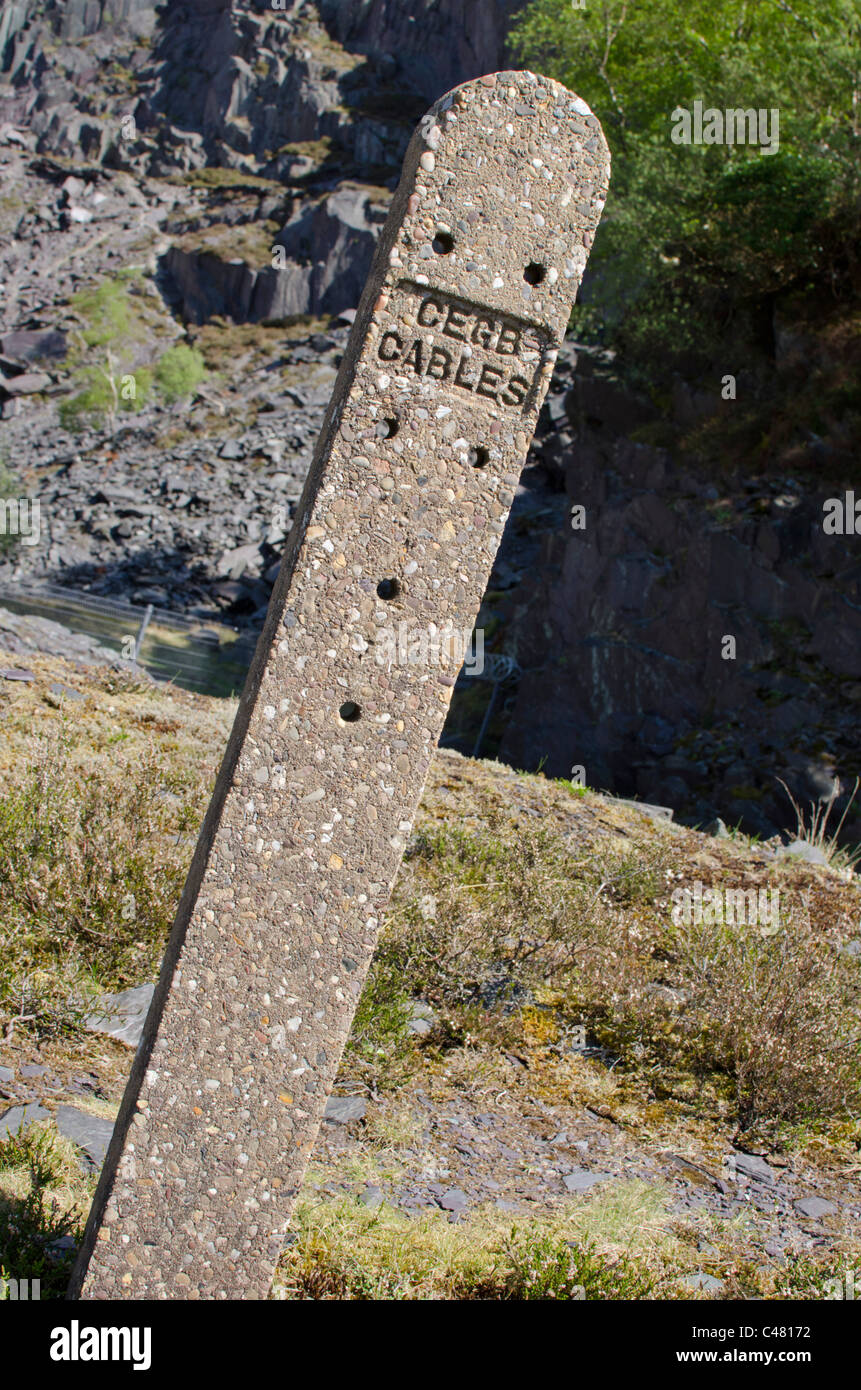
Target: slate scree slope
{"x": 436, "y": 401}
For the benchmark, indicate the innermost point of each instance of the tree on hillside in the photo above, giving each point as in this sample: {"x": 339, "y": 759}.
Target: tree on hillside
{"x": 697, "y": 235}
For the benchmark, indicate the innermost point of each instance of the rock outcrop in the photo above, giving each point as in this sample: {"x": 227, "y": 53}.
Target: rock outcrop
{"x": 684, "y": 643}
{"x": 238, "y": 158}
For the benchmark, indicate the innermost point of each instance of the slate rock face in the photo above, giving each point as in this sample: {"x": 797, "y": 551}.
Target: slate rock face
{"x": 21, "y": 633}
{"x": 34, "y": 344}
{"x": 619, "y": 634}
{"x": 80, "y": 17}
{"x": 24, "y": 384}
{"x": 441, "y": 42}
{"x": 328, "y": 247}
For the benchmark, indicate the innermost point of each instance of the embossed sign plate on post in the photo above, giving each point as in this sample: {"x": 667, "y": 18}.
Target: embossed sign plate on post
{"x": 434, "y": 407}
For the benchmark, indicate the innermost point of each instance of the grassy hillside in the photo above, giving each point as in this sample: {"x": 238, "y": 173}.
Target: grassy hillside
{"x": 532, "y": 935}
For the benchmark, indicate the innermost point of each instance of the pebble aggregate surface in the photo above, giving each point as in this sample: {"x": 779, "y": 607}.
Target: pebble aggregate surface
{"x": 433, "y": 410}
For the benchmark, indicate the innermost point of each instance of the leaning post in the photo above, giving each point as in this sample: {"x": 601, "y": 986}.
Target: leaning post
{"x": 435, "y": 404}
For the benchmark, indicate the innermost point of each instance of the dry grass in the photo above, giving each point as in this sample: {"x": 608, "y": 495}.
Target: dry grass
{"x": 523, "y": 912}
{"x": 44, "y": 1197}
{"x": 98, "y": 815}
{"x": 342, "y": 1250}
{"x": 505, "y": 916}
{"x": 249, "y": 346}
{"x": 812, "y": 826}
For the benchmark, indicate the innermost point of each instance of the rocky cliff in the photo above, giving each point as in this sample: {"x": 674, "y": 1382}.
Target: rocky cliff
{"x": 213, "y": 175}
{"x": 689, "y": 636}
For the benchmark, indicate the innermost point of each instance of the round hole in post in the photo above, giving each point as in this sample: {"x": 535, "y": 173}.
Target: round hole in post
{"x": 478, "y": 457}
{"x": 388, "y": 589}
{"x": 349, "y": 711}
{"x": 443, "y": 243}
{"x": 534, "y": 273}
{"x": 387, "y": 428}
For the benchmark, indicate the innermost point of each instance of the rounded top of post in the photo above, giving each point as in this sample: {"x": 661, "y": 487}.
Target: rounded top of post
{"x": 504, "y": 184}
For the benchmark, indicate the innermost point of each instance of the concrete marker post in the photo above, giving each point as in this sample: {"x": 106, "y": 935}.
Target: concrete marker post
{"x": 413, "y": 477}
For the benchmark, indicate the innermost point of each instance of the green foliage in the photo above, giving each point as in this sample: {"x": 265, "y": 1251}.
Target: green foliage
{"x": 9, "y": 487}
{"x": 108, "y": 310}
{"x": 546, "y": 1267}
{"x": 109, "y": 387}
{"x": 91, "y": 404}
{"x": 804, "y": 1276}
{"x": 84, "y": 896}
{"x": 27, "y": 1228}
{"x": 29, "y": 1224}
{"x": 179, "y": 371}
{"x": 106, "y": 391}
{"x": 695, "y": 236}
{"x": 115, "y": 318}
{"x": 379, "y": 1034}
{"x": 142, "y": 384}
{"x": 31, "y": 1147}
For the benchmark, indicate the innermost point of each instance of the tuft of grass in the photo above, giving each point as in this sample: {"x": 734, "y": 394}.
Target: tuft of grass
{"x": 547, "y": 1267}
{"x": 9, "y": 487}
{"x": 319, "y": 151}
{"x": 763, "y": 1024}
{"x": 815, "y": 830}
{"x": 575, "y": 788}
{"x": 341, "y": 1250}
{"x": 90, "y": 874}
{"x": 806, "y": 1276}
{"x": 379, "y": 1040}
{"x": 44, "y": 1198}
{"x": 778, "y": 1015}
{"x": 233, "y": 179}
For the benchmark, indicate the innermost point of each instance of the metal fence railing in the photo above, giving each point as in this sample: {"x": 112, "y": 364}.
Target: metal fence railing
{"x": 194, "y": 653}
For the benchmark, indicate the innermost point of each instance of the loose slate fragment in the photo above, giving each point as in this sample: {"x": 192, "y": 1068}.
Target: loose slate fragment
{"x": 340, "y": 1110}
{"x": 433, "y": 410}
{"x": 123, "y": 1015}
{"x": 22, "y": 1115}
{"x": 90, "y": 1132}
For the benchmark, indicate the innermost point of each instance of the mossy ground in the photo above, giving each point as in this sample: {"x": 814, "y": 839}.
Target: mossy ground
{"x": 526, "y": 912}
